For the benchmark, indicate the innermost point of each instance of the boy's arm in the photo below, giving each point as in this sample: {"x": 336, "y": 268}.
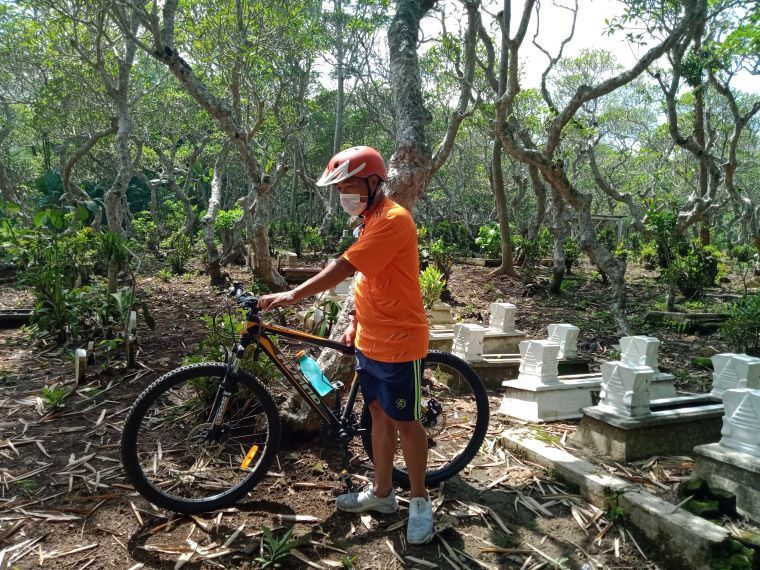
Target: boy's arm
{"x": 329, "y": 277}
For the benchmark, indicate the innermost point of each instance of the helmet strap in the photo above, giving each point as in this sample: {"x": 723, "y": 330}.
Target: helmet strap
{"x": 371, "y": 194}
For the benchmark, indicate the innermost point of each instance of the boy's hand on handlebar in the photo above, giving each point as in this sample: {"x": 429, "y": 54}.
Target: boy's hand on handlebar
{"x": 268, "y": 302}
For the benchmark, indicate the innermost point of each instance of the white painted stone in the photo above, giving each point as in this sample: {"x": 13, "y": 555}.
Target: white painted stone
{"x": 741, "y": 424}
{"x": 132, "y": 322}
{"x": 567, "y": 337}
{"x": 640, "y": 351}
{"x": 548, "y": 402}
{"x": 733, "y": 371}
{"x": 468, "y": 342}
{"x": 538, "y": 362}
{"x": 80, "y": 364}
{"x": 440, "y": 314}
{"x": 662, "y": 386}
{"x": 289, "y": 259}
{"x": 503, "y": 317}
{"x": 625, "y": 389}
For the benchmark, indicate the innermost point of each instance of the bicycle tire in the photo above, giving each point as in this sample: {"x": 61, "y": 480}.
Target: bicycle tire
{"x": 436, "y": 476}
{"x": 131, "y": 431}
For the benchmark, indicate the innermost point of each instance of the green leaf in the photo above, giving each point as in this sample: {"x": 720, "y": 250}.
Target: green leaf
{"x": 56, "y": 218}
{"x": 149, "y": 320}
{"x": 82, "y": 213}
{"x": 40, "y": 218}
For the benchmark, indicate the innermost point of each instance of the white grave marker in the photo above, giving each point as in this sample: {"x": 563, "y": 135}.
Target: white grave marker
{"x": 625, "y": 389}
{"x": 80, "y": 364}
{"x": 502, "y": 317}
{"x": 734, "y": 371}
{"x": 640, "y": 351}
{"x": 741, "y": 424}
{"x": 538, "y": 362}
{"x": 567, "y": 337}
{"x": 468, "y": 342}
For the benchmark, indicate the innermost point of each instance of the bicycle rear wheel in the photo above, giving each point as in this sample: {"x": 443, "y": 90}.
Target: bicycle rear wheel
{"x": 454, "y": 414}
{"x": 175, "y": 460}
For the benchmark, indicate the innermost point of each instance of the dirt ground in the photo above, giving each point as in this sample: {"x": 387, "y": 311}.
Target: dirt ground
{"x": 64, "y": 502}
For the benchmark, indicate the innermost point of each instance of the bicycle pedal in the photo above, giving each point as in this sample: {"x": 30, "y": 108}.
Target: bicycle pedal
{"x": 348, "y": 482}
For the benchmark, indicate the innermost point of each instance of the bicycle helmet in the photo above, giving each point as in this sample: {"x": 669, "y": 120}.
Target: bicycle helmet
{"x": 359, "y": 161}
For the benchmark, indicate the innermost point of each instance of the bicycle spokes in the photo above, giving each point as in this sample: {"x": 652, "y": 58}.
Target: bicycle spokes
{"x": 182, "y": 453}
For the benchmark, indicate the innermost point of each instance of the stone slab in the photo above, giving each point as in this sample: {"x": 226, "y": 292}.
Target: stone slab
{"x": 687, "y": 541}
{"x": 669, "y": 432}
{"x": 732, "y": 471}
{"x": 545, "y": 403}
{"x": 494, "y": 369}
{"x": 479, "y": 261}
{"x": 494, "y": 342}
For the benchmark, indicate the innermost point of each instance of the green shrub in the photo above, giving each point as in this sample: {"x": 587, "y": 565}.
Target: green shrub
{"x": 175, "y": 215}
{"x": 572, "y": 252}
{"x": 648, "y": 253}
{"x": 662, "y": 226}
{"x": 454, "y": 234}
{"x": 489, "y": 240}
{"x": 530, "y": 248}
{"x": 696, "y": 270}
{"x": 743, "y": 253}
{"x": 294, "y": 234}
{"x": 545, "y": 242}
{"x": 113, "y": 247}
{"x": 145, "y": 232}
{"x": 742, "y": 330}
{"x": 181, "y": 252}
{"x": 432, "y": 284}
{"x": 226, "y": 219}
{"x": 442, "y": 256}
{"x": 313, "y": 242}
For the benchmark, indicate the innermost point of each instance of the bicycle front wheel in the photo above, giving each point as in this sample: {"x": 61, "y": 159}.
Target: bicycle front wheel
{"x": 177, "y": 461}
{"x": 454, "y": 414}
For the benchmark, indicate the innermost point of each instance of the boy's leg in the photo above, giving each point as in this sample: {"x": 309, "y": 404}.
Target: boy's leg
{"x": 383, "y": 449}
{"x": 415, "y": 450}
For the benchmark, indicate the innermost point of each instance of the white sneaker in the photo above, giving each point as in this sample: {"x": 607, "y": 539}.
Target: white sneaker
{"x": 367, "y": 501}
{"x": 419, "y": 529}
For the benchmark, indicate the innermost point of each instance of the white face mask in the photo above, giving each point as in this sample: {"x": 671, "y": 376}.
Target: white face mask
{"x": 352, "y": 204}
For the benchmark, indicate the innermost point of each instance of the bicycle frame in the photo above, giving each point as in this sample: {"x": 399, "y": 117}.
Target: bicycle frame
{"x": 259, "y": 333}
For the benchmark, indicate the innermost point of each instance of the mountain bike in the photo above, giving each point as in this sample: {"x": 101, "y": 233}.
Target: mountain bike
{"x": 203, "y": 435}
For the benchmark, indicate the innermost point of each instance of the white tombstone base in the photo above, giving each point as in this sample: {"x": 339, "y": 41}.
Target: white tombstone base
{"x": 549, "y": 402}
{"x": 732, "y": 471}
{"x": 662, "y": 387}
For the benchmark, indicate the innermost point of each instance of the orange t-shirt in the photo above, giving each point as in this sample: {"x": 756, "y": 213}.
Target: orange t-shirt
{"x": 392, "y": 325}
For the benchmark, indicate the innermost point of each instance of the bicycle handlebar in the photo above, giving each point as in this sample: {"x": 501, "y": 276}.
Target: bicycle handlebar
{"x": 246, "y": 300}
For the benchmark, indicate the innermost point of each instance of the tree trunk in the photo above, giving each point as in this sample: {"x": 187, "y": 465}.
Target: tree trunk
{"x": 497, "y": 187}
{"x": 259, "y": 242}
{"x": 72, "y": 193}
{"x": 181, "y": 192}
{"x": 332, "y": 198}
{"x": 559, "y": 231}
{"x": 115, "y": 196}
{"x": 214, "y": 266}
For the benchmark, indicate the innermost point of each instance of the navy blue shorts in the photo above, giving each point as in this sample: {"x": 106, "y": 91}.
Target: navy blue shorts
{"x": 395, "y": 384}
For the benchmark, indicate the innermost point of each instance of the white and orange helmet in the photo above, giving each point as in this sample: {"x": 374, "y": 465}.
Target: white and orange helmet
{"x": 359, "y": 161}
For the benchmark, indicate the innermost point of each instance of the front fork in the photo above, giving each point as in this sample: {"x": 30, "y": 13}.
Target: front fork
{"x": 223, "y": 395}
